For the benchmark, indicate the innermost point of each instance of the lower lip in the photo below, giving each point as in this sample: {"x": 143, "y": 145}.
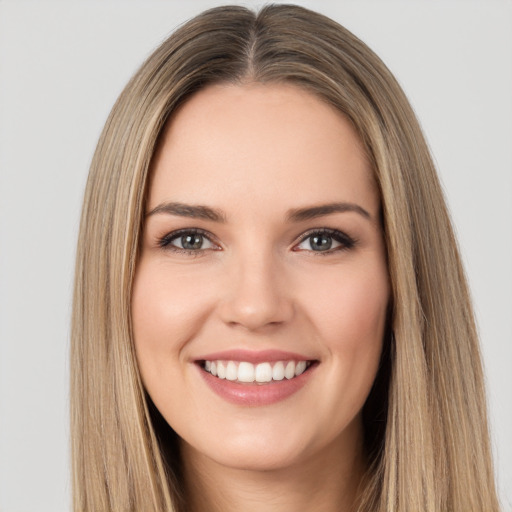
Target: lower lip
{"x": 254, "y": 394}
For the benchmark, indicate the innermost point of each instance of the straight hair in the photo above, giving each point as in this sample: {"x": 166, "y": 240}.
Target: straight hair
{"x": 425, "y": 421}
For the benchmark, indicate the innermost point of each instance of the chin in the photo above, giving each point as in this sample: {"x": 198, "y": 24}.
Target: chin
{"x": 278, "y": 448}
{"x": 255, "y": 457}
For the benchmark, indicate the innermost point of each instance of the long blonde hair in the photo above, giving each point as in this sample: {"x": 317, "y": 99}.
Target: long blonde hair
{"x": 425, "y": 420}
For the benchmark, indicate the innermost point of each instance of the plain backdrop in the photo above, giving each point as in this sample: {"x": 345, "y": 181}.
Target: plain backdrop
{"x": 62, "y": 65}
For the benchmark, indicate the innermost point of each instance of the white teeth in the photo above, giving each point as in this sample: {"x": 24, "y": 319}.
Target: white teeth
{"x": 261, "y": 373}
{"x": 300, "y": 367}
{"x": 231, "y": 371}
{"x": 221, "y": 370}
{"x": 278, "y": 371}
{"x": 289, "y": 371}
{"x": 246, "y": 372}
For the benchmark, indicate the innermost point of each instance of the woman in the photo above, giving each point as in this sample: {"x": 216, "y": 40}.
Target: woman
{"x": 270, "y": 309}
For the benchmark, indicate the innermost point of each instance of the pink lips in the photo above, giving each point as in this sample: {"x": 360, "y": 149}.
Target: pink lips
{"x": 253, "y": 357}
{"x": 254, "y": 394}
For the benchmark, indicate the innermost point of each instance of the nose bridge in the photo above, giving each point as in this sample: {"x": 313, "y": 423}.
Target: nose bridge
{"x": 256, "y": 294}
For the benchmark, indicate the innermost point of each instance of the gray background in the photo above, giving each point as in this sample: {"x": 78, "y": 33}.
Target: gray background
{"x": 62, "y": 64}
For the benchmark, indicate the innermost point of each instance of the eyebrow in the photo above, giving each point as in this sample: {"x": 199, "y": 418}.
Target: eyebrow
{"x": 293, "y": 215}
{"x": 302, "y": 214}
{"x": 188, "y": 210}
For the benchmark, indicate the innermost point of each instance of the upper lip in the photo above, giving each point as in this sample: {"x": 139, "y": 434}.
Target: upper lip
{"x": 255, "y": 357}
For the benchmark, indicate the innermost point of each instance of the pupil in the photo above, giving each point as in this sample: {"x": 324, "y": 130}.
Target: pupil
{"x": 192, "y": 241}
{"x": 321, "y": 242}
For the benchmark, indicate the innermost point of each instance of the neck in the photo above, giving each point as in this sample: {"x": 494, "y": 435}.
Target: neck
{"x": 325, "y": 482}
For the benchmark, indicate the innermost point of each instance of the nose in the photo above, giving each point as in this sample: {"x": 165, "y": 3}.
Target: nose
{"x": 256, "y": 295}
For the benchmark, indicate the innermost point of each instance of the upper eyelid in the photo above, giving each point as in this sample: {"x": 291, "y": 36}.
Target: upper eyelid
{"x": 169, "y": 237}
{"x": 325, "y": 231}
{"x": 312, "y": 231}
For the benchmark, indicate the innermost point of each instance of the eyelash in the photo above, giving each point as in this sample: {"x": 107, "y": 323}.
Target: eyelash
{"x": 165, "y": 241}
{"x": 346, "y": 241}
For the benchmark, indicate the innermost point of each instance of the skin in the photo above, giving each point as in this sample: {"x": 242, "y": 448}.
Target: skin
{"x": 256, "y": 152}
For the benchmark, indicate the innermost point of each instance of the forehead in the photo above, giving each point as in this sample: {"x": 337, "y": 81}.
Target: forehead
{"x": 260, "y": 145}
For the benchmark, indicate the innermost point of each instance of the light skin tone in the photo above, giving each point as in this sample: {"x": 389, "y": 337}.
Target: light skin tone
{"x": 287, "y": 254}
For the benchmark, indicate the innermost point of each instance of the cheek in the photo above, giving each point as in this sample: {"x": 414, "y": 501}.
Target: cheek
{"x": 166, "y": 313}
{"x": 350, "y": 316}
{"x": 351, "y": 308}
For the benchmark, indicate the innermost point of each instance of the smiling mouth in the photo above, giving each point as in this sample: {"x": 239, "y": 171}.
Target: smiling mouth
{"x": 262, "y": 373}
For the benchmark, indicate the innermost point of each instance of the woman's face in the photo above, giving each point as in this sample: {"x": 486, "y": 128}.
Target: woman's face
{"x": 260, "y": 297}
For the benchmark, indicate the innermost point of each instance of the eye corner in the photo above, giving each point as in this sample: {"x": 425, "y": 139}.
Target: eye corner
{"x": 202, "y": 237}
{"x": 340, "y": 240}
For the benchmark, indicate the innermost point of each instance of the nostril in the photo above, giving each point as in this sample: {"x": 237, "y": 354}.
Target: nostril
{"x": 255, "y": 313}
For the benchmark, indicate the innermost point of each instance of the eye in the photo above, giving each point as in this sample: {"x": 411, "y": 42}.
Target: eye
{"x": 190, "y": 240}
{"x": 325, "y": 240}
